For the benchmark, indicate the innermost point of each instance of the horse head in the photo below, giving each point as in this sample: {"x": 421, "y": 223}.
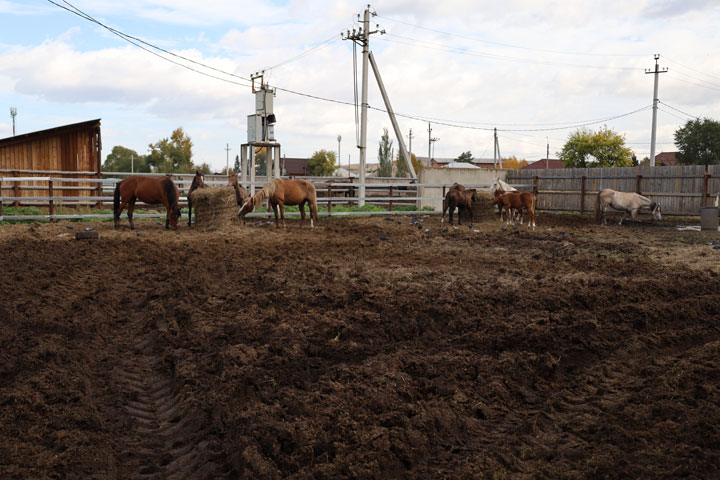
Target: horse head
{"x": 656, "y": 211}
{"x": 247, "y": 207}
{"x": 232, "y": 179}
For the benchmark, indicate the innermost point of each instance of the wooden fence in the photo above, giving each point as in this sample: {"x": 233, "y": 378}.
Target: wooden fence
{"x": 680, "y": 190}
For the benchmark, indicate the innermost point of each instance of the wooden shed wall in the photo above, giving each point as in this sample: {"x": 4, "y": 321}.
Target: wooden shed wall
{"x": 76, "y": 150}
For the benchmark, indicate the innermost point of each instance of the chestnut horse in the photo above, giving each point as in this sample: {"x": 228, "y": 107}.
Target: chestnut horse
{"x": 281, "y": 192}
{"x": 517, "y": 201}
{"x": 150, "y": 190}
{"x": 458, "y": 197}
{"x": 240, "y": 193}
{"x": 197, "y": 182}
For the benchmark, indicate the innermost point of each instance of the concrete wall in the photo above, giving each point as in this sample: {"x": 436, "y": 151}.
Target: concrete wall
{"x": 480, "y": 178}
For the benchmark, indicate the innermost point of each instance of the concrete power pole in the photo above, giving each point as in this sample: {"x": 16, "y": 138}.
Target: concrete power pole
{"x": 410, "y": 137}
{"x": 227, "y": 159}
{"x": 362, "y": 37}
{"x": 657, "y": 73}
{"x": 13, "y": 113}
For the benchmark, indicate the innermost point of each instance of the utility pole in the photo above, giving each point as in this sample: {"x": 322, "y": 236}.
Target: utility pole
{"x": 339, "y": 138}
{"x": 657, "y": 73}
{"x": 431, "y": 140}
{"x": 547, "y": 155}
{"x": 132, "y": 163}
{"x": 362, "y": 37}
{"x": 410, "y": 137}
{"x": 13, "y": 113}
{"x": 227, "y": 159}
{"x": 497, "y": 158}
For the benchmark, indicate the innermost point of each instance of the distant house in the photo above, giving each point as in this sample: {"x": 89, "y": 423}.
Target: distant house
{"x": 545, "y": 163}
{"x": 665, "y": 159}
{"x": 486, "y": 162}
{"x": 294, "y": 167}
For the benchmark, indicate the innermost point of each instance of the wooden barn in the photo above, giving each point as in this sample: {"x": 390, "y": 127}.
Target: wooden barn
{"x": 67, "y": 151}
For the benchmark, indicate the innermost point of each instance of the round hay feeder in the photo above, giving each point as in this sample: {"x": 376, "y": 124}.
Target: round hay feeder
{"x": 483, "y": 209}
{"x": 214, "y": 207}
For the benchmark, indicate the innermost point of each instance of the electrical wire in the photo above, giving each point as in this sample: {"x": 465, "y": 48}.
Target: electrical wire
{"x": 507, "y": 45}
{"x": 139, "y": 43}
{"x": 413, "y": 42}
{"x": 678, "y": 110}
{"x": 307, "y": 52}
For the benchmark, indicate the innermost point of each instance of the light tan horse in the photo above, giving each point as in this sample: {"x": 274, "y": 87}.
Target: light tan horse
{"x": 281, "y": 192}
{"x": 624, "y": 202}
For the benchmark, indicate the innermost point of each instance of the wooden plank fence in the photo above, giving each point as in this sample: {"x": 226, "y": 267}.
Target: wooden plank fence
{"x": 680, "y": 190}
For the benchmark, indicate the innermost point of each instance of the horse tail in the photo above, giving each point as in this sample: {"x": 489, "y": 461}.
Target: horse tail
{"x": 446, "y": 201}
{"x": 313, "y": 202}
{"x": 116, "y": 202}
{"x": 597, "y": 207}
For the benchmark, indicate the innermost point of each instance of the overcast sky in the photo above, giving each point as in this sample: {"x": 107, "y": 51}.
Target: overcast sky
{"x": 536, "y": 70}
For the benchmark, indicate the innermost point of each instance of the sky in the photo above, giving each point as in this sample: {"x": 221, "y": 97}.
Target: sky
{"x": 537, "y": 70}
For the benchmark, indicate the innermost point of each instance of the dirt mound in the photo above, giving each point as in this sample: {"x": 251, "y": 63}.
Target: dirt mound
{"x": 365, "y": 348}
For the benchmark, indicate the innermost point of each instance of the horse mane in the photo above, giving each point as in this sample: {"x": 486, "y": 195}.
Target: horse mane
{"x": 266, "y": 192}
{"x": 169, "y": 188}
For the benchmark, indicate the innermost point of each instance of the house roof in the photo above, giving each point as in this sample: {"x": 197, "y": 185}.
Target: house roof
{"x": 50, "y": 131}
{"x": 544, "y": 163}
{"x": 665, "y": 159}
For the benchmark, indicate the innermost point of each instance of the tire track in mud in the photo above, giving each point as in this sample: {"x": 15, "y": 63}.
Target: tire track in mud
{"x": 162, "y": 437}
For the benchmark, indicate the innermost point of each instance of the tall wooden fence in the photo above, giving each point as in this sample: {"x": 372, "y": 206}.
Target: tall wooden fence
{"x": 680, "y": 190}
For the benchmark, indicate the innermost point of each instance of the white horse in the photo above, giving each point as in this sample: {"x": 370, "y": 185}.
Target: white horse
{"x": 624, "y": 202}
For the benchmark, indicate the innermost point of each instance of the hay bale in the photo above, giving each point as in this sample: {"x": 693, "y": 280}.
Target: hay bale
{"x": 483, "y": 208}
{"x": 214, "y": 207}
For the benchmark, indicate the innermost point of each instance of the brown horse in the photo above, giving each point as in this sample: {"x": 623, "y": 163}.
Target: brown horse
{"x": 197, "y": 182}
{"x": 458, "y": 197}
{"x": 516, "y": 201}
{"x": 281, "y": 192}
{"x": 150, "y": 190}
{"x": 240, "y": 193}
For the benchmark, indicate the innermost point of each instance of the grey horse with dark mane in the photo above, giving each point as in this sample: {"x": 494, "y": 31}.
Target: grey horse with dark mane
{"x": 624, "y": 202}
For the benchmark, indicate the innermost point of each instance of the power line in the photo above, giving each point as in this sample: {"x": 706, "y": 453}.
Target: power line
{"x": 447, "y": 48}
{"x": 678, "y": 110}
{"x": 693, "y": 83}
{"x": 507, "y": 45}
{"x": 307, "y": 52}
{"x": 689, "y": 68}
{"x": 139, "y": 43}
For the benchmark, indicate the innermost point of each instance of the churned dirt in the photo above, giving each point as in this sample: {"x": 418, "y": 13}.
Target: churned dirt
{"x": 366, "y": 348}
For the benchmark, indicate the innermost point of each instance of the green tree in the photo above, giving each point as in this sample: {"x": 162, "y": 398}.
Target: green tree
{"x": 606, "y": 146}
{"x": 261, "y": 162}
{"x": 402, "y": 169}
{"x": 236, "y": 168}
{"x": 321, "y": 164}
{"x": 172, "y": 155}
{"x": 123, "y": 159}
{"x": 385, "y": 155}
{"x": 698, "y": 142}
{"x": 465, "y": 157}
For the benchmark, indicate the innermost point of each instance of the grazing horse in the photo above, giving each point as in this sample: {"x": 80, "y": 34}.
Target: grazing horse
{"x": 625, "y": 202}
{"x": 197, "y": 182}
{"x": 458, "y": 197}
{"x": 150, "y": 190}
{"x": 281, "y": 192}
{"x": 240, "y": 193}
{"x": 517, "y": 201}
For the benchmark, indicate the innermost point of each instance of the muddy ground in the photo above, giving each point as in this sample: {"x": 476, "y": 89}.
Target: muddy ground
{"x": 363, "y": 349}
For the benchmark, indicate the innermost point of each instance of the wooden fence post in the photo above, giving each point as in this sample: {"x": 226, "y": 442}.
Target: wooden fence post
{"x": 391, "y": 194}
{"x": 51, "y": 203}
{"x": 582, "y": 194}
{"x": 1, "y": 202}
{"x": 638, "y": 178}
{"x": 535, "y": 187}
{"x": 16, "y": 190}
{"x": 329, "y": 192}
{"x": 706, "y": 189}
